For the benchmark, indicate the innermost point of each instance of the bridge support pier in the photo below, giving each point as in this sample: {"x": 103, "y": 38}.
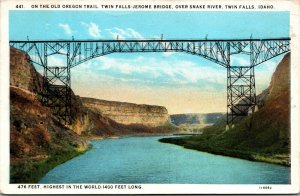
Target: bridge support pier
{"x": 57, "y": 92}
{"x": 241, "y": 94}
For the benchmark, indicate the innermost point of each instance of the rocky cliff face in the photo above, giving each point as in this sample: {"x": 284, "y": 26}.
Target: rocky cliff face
{"x": 26, "y": 81}
{"x": 34, "y": 130}
{"x": 96, "y": 117}
{"x": 33, "y": 126}
{"x": 129, "y": 113}
{"x": 280, "y": 83}
{"x": 22, "y": 74}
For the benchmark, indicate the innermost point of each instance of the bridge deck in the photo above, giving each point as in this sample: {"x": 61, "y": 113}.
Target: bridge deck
{"x": 150, "y": 40}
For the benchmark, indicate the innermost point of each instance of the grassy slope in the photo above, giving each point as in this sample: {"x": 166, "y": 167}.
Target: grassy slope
{"x": 33, "y": 170}
{"x": 263, "y": 136}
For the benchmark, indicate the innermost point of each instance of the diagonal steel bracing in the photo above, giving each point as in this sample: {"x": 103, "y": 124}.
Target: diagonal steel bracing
{"x": 241, "y": 93}
{"x": 241, "y": 96}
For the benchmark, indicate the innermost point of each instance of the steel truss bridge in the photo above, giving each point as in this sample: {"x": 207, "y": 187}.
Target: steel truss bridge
{"x": 241, "y": 92}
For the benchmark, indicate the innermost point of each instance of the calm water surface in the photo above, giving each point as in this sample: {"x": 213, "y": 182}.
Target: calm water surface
{"x": 146, "y": 160}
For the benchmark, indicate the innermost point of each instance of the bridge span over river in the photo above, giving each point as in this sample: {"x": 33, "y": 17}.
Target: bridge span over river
{"x": 241, "y": 91}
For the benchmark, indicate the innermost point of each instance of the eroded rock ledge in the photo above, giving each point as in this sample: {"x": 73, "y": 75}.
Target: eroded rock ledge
{"x": 129, "y": 113}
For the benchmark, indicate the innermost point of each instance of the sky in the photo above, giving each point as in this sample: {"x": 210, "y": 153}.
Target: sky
{"x": 181, "y": 82}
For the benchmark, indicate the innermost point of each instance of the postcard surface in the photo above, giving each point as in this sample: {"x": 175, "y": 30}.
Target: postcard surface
{"x": 160, "y": 97}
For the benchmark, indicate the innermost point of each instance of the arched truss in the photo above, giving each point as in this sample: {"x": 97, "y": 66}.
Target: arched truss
{"x": 241, "y": 93}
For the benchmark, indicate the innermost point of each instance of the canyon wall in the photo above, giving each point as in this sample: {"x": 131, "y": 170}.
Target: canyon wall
{"x": 22, "y": 74}
{"x": 129, "y": 113}
{"x": 190, "y": 119}
{"x": 115, "y": 118}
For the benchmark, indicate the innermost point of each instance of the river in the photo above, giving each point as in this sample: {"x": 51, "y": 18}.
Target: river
{"x": 146, "y": 160}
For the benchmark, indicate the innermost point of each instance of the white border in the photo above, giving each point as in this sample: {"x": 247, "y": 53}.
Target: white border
{"x": 280, "y": 5}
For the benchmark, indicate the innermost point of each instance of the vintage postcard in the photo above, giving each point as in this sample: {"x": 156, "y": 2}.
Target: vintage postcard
{"x": 149, "y": 97}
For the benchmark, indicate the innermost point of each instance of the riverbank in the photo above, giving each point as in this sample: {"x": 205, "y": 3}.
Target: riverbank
{"x": 93, "y": 138}
{"x": 32, "y": 170}
{"x": 194, "y": 143}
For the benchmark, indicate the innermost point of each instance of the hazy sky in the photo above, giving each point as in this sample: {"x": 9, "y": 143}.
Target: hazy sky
{"x": 183, "y": 83}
